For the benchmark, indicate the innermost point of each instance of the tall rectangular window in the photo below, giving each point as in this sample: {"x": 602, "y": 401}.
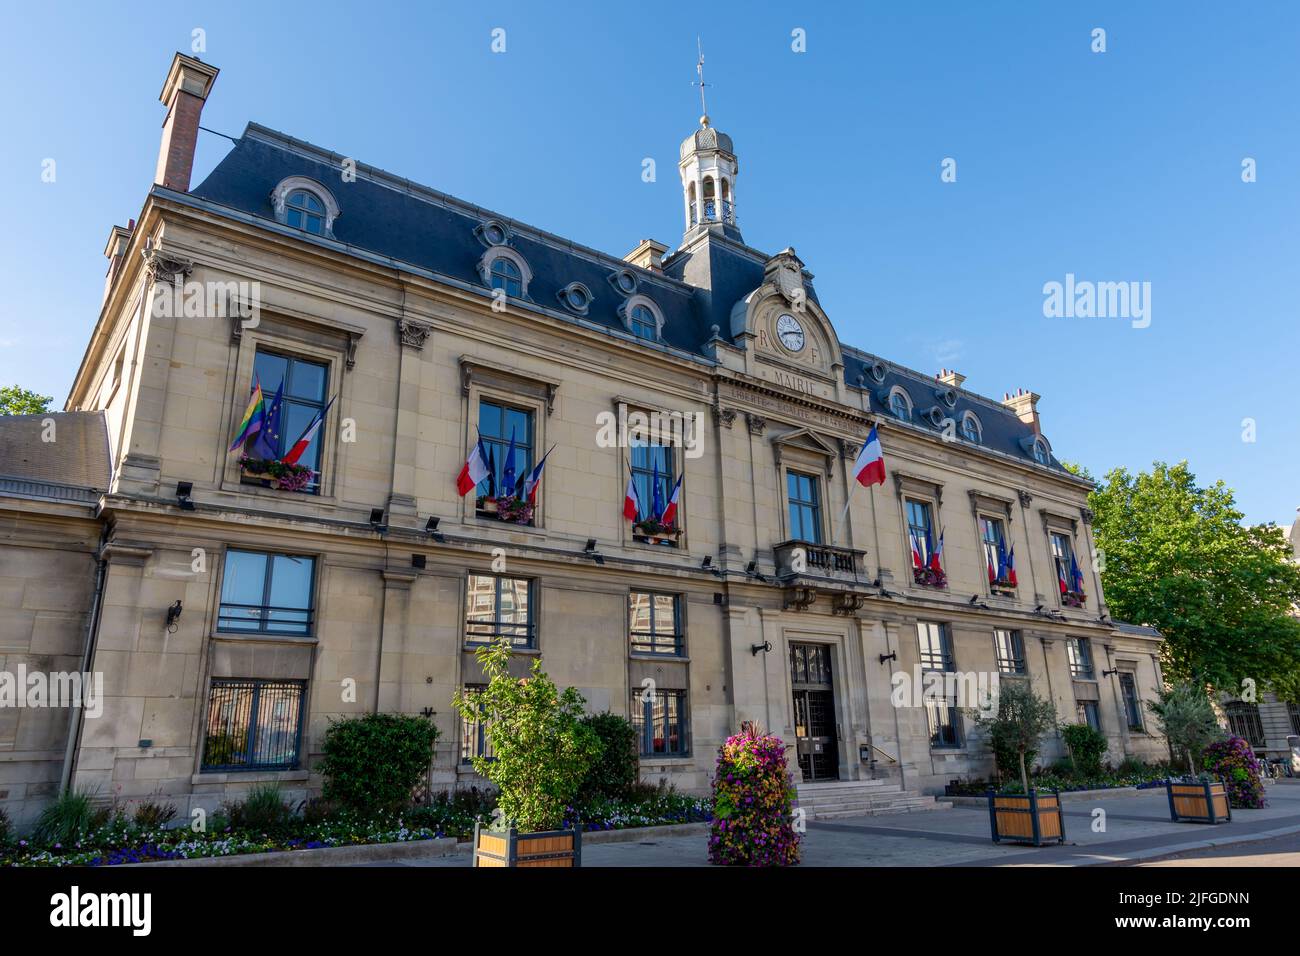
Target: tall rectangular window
{"x": 266, "y": 593}
{"x": 304, "y": 385}
{"x": 473, "y": 736}
{"x": 1132, "y": 703}
{"x": 1243, "y": 720}
{"x": 1080, "y": 652}
{"x": 1062, "y": 552}
{"x": 655, "y": 623}
{"x": 1293, "y": 711}
{"x": 1011, "y": 651}
{"x": 919, "y": 527}
{"x": 660, "y": 722}
{"x": 993, "y": 542}
{"x": 805, "y": 507}
{"x": 1089, "y": 714}
{"x": 936, "y": 649}
{"x": 497, "y": 607}
{"x": 253, "y": 724}
{"x": 652, "y": 463}
{"x": 497, "y": 423}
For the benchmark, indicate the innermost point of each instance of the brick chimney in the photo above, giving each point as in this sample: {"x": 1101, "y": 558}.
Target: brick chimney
{"x": 648, "y": 255}
{"x": 1025, "y": 405}
{"x": 115, "y": 252}
{"x": 188, "y": 83}
{"x": 950, "y": 378}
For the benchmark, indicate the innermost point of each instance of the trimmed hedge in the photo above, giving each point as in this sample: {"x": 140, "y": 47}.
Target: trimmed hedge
{"x": 373, "y": 763}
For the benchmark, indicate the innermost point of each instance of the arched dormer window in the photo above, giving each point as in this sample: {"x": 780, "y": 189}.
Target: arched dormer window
{"x": 503, "y": 268}
{"x": 305, "y": 204}
{"x": 1040, "y": 452}
{"x": 900, "y": 406}
{"x": 642, "y": 317}
{"x": 970, "y": 428}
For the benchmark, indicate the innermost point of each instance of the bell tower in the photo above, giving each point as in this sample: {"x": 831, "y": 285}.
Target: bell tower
{"x": 708, "y": 168}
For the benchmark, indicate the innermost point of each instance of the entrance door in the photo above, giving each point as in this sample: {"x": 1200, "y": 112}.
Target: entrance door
{"x": 814, "y": 711}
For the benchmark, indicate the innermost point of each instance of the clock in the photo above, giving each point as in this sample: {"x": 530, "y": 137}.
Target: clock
{"x": 790, "y": 332}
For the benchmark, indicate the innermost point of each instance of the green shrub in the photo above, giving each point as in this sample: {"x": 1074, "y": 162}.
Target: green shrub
{"x": 151, "y": 815}
{"x": 264, "y": 810}
{"x": 6, "y": 828}
{"x": 1087, "y": 746}
{"x": 1187, "y": 720}
{"x": 1020, "y": 722}
{"x": 618, "y": 768}
{"x": 69, "y": 818}
{"x": 541, "y": 747}
{"x": 373, "y": 763}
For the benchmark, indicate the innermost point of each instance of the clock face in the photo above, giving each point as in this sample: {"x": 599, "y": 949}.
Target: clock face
{"x": 790, "y": 332}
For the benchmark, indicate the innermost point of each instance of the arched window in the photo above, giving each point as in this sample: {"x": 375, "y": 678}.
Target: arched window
{"x": 507, "y": 277}
{"x": 303, "y": 210}
{"x": 970, "y": 428}
{"x": 642, "y": 322}
{"x": 1040, "y": 452}
{"x": 900, "y": 406}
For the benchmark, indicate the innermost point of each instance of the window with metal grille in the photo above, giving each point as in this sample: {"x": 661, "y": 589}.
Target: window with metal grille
{"x": 497, "y": 607}
{"x": 253, "y": 724}
{"x": 936, "y": 648}
{"x": 1132, "y": 703}
{"x": 941, "y": 716}
{"x": 1011, "y": 651}
{"x": 805, "y": 507}
{"x": 266, "y": 593}
{"x": 655, "y": 623}
{"x": 659, "y": 717}
{"x": 1293, "y": 711}
{"x": 1243, "y": 720}
{"x": 473, "y": 738}
{"x": 1080, "y": 652}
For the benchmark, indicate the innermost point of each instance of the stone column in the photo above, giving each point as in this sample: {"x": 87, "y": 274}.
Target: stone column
{"x": 402, "y": 508}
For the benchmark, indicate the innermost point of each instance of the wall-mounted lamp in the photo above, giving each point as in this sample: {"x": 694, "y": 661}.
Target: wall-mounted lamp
{"x": 765, "y": 647}
{"x": 377, "y": 520}
{"x": 184, "y": 490}
{"x": 173, "y": 617}
{"x": 428, "y": 713}
{"x": 590, "y": 551}
{"x": 751, "y": 569}
{"x": 1108, "y": 673}
{"x": 707, "y": 565}
{"x": 891, "y": 656}
{"x": 431, "y": 529}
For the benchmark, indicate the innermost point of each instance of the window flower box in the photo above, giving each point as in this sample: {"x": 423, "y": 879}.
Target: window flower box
{"x": 1073, "y": 598}
{"x": 510, "y": 848}
{"x": 1003, "y": 589}
{"x": 275, "y": 474}
{"x": 655, "y": 532}
{"x": 930, "y": 578}
{"x": 1198, "y": 801}
{"x": 509, "y": 508}
{"x": 1033, "y": 818}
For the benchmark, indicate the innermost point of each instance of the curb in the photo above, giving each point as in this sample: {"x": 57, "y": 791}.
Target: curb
{"x": 1157, "y": 852}
{"x": 323, "y": 856}
{"x": 629, "y": 835}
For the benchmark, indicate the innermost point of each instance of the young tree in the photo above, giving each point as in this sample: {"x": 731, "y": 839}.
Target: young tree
{"x": 15, "y": 400}
{"x": 1178, "y": 558}
{"x": 1021, "y": 721}
{"x": 1187, "y": 720}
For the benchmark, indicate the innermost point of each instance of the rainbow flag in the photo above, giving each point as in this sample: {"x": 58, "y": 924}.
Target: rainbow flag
{"x": 252, "y": 422}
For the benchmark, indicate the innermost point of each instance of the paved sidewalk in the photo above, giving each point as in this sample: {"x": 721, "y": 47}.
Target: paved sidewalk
{"x": 1136, "y": 827}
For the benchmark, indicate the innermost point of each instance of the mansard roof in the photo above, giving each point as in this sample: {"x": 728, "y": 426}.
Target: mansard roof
{"x": 70, "y": 467}
{"x": 385, "y": 215}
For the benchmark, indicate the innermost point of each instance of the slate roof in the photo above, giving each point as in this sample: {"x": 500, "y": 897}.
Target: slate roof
{"x": 386, "y": 215}
{"x": 72, "y": 466}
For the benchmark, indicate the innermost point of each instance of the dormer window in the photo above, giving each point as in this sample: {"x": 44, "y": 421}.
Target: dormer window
{"x": 575, "y": 297}
{"x": 304, "y": 211}
{"x": 642, "y": 317}
{"x": 1040, "y": 452}
{"x": 970, "y": 429}
{"x": 642, "y": 323}
{"x": 505, "y": 276}
{"x": 505, "y": 270}
{"x": 305, "y": 204}
{"x": 900, "y": 406}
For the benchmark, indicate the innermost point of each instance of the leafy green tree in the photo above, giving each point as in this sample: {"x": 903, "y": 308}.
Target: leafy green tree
{"x": 15, "y": 400}
{"x": 1019, "y": 724}
{"x": 1178, "y": 558}
{"x": 542, "y": 748}
{"x": 1187, "y": 720}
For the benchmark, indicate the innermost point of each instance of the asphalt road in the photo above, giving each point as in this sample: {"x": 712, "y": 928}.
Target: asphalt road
{"x": 1278, "y": 851}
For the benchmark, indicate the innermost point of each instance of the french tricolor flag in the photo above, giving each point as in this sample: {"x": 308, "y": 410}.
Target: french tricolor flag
{"x": 917, "y": 562}
{"x": 935, "y": 564}
{"x": 293, "y": 454}
{"x": 670, "y": 513}
{"x": 1011, "y": 565}
{"x": 869, "y": 469}
{"x": 534, "y": 479}
{"x": 631, "y": 501}
{"x": 474, "y": 471}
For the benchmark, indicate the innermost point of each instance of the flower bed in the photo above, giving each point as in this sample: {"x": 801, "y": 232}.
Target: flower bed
{"x": 123, "y": 842}
{"x": 1150, "y": 776}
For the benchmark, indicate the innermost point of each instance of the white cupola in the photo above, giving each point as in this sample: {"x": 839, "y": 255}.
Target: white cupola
{"x": 708, "y": 167}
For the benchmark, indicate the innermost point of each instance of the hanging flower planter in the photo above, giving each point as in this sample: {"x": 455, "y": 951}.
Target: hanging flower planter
{"x": 275, "y": 474}
{"x": 1073, "y": 598}
{"x": 655, "y": 532}
{"x": 929, "y": 578}
{"x": 509, "y": 508}
{"x": 1033, "y": 818}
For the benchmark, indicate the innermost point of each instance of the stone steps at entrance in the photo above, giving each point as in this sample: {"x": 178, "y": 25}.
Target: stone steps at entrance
{"x": 853, "y": 798}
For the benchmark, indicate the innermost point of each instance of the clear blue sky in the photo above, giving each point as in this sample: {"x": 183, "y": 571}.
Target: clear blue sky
{"x": 1122, "y": 166}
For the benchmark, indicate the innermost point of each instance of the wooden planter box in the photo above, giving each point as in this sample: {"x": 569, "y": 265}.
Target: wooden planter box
{"x": 1198, "y": 802}
{"x": 1027, "y": 818}
{"x": 512, "y": 848}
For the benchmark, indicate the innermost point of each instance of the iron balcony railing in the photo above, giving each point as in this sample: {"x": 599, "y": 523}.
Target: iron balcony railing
{"x": 263, "y": 619}
{"x": 713, "y": 210}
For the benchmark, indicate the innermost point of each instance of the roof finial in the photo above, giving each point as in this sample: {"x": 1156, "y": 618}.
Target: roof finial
{"x": 699, "y": 69}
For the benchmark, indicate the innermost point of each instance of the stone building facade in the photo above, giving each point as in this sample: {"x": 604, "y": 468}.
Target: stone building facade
{"x": 213, "y": 601}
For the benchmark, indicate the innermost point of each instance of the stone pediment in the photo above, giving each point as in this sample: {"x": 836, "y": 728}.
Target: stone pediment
{"x": 806, "y": 440}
